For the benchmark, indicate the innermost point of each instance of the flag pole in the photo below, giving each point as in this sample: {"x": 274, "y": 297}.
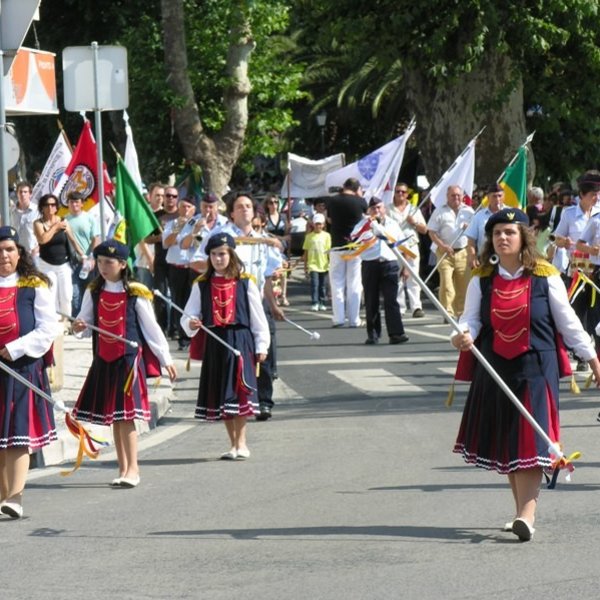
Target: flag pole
{"x": 553, "y": 447}
{"x": 64, "y": 134}
{"x": 460, "y": 233}
{"x": 452, "y": 166}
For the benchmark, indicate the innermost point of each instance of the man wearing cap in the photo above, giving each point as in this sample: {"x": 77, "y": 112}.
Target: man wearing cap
{"x": 262, "y": 260}
{"x": 476, "y": 230}
{"x": 380, "y": 274}
{"x": 411, "y": 223}
{"x": 86, "y": 230}
{"x": 344, "y": 211}
{"x": 446, "y": 230}
{"x": 207, "y": 222}
{"x": 178, "y": 258}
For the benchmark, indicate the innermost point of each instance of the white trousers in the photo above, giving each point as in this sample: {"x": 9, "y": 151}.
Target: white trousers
{"x": 62, "y": 284}
{"x": 346, "y": 289}
{"x": 411, "y": 286}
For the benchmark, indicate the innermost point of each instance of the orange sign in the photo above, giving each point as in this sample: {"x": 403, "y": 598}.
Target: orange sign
{"x": 30, "y": 86}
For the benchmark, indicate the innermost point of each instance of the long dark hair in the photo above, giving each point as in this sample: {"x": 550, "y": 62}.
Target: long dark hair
{"x": 234, "y": 269}
{"x": 27, "y": 268}
{"x": 529, "y": 252}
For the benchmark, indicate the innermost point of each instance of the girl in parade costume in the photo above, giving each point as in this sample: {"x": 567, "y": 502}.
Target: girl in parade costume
{"x": 517, "y": 310}
{"x": 227, "y": 301}
{"x": 115, "y": 391}
{"x": 28, "y": 326}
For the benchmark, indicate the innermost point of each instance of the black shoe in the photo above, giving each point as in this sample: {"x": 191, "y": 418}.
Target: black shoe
{"x": 371, "y": 341}
{"x": 418, "y": 314}
{"x": 264, "y": 414}
{"x": 398, "y": 339}
{"x": 582, "y": 366}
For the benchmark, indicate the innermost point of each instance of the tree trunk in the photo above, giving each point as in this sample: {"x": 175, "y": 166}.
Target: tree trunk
{"x": 449, "y": 116}
{"x": 216, "y": 155}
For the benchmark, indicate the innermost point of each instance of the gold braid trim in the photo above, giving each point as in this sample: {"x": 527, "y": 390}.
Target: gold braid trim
{"x": 199, "y": 278}
{"x": 31, "y": 281}
{"x": 139, "y": 289}
{"x": 542, "y": 269}
{"x": 248, "y": 276}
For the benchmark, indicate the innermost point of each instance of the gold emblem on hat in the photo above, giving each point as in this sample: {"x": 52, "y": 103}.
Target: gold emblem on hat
{"x": 510, "y": 215}
{"x": 111, "y": 249}
{"x": 13, "y": 232}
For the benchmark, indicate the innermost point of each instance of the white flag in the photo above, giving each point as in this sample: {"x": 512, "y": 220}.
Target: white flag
{"x": 378, "y": 171}
{"x": 462, "y": 172}
{"x": 306, "y": 178}
{"x": 131, "y": 158}
{"x": 57, "y": 162}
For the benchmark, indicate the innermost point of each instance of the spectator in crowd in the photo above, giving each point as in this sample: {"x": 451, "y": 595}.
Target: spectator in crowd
{"x": 87, "y": 233}
{"x": 166, "y": 319}
{"x": 345, "y": 210}
{"x": 56, "y": 241}
{"x": 535, "y": 203}
{"x": 277, "y": 225}
{"x": 316, "y": 248}
{"x": 411, "y": 224}
{"x": 446, "y": 229}
{"x": 22, "y": 216}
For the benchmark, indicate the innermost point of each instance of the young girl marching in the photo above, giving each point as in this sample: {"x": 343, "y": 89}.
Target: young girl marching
{"x": 228, "y": 303}
{"x": 115, "y": 391}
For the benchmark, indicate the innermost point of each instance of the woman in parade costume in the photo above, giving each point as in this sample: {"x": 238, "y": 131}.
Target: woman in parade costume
{"x": 227, "y": 301}
{"x": 517, "y": 310}
{"x": 115, "y": 391}
{"x": 28, "y": 326}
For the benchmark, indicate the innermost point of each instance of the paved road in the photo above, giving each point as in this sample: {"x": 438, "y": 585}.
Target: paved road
{"x": 351, "y": 493}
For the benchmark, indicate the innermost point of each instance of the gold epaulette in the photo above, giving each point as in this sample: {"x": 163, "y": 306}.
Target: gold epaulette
{"x": 483, "y": 271}
{"x": 248, "y": 276}
{"x": 199, "y": 278}
{"x": 544, "y": 269}
{"x": 139, "y": 289}
{"x": 32, "y": 281}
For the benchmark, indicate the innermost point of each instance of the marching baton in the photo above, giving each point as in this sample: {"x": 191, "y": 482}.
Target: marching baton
{"x": 314, "y": 335}
{"x": 552, "y": 446}
{"x": 101, "y": 331}
{"x": 202, "y": 326}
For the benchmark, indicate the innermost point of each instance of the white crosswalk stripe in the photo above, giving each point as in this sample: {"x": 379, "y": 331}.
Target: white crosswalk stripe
{"x": 373, "y": 382}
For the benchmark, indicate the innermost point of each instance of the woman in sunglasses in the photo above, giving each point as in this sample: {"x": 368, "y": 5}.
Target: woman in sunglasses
{"x": 56, "y": 240}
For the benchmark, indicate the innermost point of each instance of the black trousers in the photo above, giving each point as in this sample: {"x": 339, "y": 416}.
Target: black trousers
{"x": 381, "y": 278}
{"x": 268, "y": 369}
{"x": 161, "y": 283}
{"x": 179, "y": 282}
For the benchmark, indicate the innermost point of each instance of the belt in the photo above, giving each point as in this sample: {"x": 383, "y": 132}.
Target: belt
{"x": 180, "y": 266}
{"x": 458, "y": 249}
{"x": 379, "y": 260}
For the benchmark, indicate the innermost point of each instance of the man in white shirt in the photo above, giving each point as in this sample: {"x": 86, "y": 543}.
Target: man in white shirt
{"x": 380, "y": 273}
{"x": 446, "y": 230}
{"x": 22, "y": 216}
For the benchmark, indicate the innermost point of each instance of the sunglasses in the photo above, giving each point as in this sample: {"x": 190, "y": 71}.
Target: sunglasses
{"x": 401, "y": 191}
{"x": 171, "y": 195}
{"x": 49, "y": 204}
{"x": 256, "y": 227}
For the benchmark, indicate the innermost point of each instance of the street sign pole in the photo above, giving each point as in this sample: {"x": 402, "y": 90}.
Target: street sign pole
{"x": 98, "y": 126}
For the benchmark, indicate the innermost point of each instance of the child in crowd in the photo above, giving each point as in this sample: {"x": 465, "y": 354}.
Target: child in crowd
{"x": 316, "y": 248}
{"x": 115, "y": 391}
{"x": 227, "y": 302}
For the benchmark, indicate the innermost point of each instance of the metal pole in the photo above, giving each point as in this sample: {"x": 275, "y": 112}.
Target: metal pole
{"x": 4, "y": 196}
{"x": 98, "y": 127}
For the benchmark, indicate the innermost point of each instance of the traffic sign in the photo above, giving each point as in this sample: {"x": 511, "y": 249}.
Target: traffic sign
{"x": 15, "y": 20}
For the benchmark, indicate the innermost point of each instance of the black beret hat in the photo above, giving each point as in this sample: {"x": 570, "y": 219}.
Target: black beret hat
{"x": 9, "y": 233}
{"x": 374, "y": 201}
{"x": 494, "y": 188}
{"x": 112, "y": 249}
{"x": 217, "y": 240}
{"x": 506, "y": 215}
{"x": 210, "y": 198}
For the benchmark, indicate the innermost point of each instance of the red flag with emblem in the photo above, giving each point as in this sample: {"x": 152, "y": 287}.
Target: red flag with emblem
{"x": 82, "y": 173}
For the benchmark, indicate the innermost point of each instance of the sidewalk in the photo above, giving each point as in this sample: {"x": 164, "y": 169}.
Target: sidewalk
{"x": 76, "y": 359}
